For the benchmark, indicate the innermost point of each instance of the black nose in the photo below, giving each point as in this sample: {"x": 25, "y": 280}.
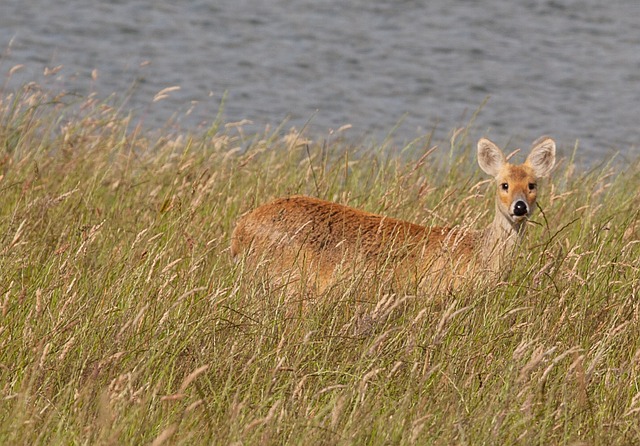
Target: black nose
{"x": 520, "y": 208}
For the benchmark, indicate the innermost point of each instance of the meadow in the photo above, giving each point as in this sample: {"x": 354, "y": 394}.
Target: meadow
{"x": 124, "y": 320}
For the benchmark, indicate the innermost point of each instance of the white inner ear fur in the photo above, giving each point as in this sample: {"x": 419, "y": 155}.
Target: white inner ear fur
{"x": 542, "y": 157}
{"x": 490, "y": 157}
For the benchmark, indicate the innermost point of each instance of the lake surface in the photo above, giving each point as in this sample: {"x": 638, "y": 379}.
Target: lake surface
{"x": 570, "y": 69}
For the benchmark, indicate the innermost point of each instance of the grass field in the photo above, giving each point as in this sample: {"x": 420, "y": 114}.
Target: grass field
{"x": 124, "y": 321}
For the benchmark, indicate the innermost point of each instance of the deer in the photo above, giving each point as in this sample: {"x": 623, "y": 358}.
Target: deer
{"x": 301, "y": 239}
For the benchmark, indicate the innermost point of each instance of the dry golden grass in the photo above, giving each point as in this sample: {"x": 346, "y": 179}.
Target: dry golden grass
{"x": 123, "y": 320}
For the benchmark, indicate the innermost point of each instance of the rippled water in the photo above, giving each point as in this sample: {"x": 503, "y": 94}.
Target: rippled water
{"x": 570, "y": 69}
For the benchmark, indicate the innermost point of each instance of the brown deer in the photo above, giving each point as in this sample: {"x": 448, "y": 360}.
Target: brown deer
{"x": 306, "y": 239}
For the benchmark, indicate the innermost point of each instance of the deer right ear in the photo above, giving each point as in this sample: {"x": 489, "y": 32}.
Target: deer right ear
{"x": 543, "y": 156}
{"x": 490, "y": 157}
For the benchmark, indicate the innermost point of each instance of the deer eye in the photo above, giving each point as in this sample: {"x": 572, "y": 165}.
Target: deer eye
{"x": 532, "y": 186}
{"x": 504, "y": 186}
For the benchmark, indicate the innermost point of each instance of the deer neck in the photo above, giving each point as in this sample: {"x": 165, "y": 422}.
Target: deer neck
{"x": 501, "y": 238}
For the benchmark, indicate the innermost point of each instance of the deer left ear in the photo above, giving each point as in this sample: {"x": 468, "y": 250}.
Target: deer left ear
{"x": 490, "y": 157}
{"x": 542, "y": 157}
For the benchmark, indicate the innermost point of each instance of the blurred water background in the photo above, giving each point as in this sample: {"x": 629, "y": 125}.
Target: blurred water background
{"x": 570, "y": 69}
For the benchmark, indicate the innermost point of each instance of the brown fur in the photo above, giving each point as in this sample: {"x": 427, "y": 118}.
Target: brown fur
{"x": 307, "y": 238}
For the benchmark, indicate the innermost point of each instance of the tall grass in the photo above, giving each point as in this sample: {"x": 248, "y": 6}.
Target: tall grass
{"x": 123, "y": 320}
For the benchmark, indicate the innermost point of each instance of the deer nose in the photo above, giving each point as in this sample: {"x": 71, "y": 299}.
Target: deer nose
{"x": 520, "y": 208}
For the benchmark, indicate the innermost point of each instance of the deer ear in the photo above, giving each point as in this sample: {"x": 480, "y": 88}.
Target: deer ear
{"x": 542, "y": 157}
{"x": 490, "y": 157}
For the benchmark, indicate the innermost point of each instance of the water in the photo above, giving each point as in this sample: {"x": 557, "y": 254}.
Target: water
{"x": 570, "y": 69}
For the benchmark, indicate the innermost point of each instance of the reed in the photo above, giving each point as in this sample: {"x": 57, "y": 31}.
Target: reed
{"x": 124, "y": 320}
